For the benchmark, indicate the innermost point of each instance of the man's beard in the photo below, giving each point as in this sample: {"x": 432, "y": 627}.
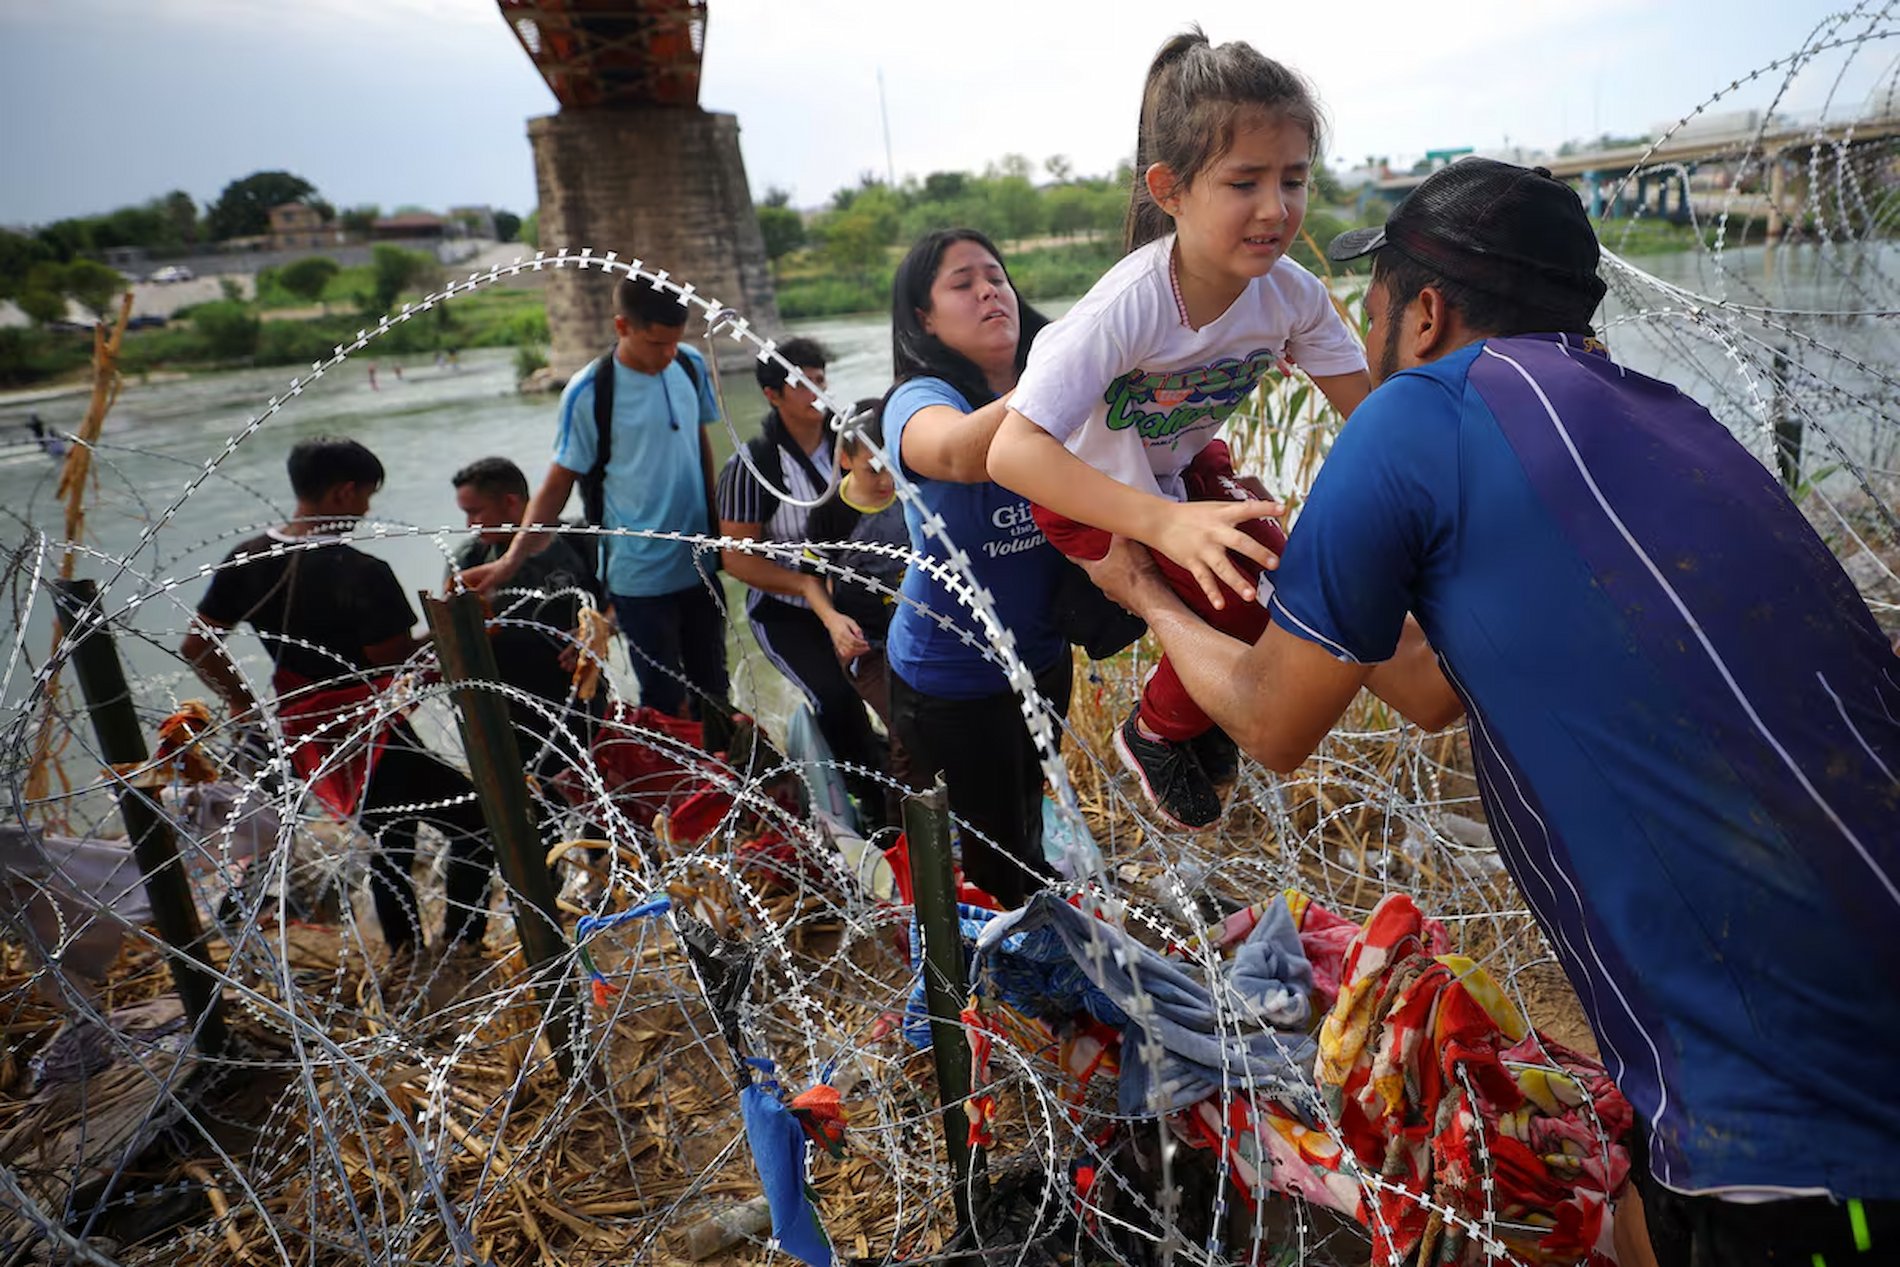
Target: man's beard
{"x": 1388, "y": 363}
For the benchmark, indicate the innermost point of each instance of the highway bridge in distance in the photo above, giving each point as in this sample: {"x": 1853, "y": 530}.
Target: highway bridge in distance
{"x": 1762, "y": 152}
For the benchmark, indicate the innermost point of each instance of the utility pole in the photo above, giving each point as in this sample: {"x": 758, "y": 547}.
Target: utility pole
{"x": 884, "y": 110}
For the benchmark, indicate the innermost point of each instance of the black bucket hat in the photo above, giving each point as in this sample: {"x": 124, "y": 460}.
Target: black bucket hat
{"x": 1496, "y": 227}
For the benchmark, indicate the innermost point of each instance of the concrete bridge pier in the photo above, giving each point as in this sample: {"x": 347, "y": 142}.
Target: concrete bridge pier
{"x": 664, "y": 184}
{"x": 1777, "y": 190}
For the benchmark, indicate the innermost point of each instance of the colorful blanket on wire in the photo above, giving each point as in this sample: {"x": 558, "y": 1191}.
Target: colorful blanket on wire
{"x": 1430, "y": 1076}
{"x": 1176, "y": 1049}
{"x": 1437, "y": 1082}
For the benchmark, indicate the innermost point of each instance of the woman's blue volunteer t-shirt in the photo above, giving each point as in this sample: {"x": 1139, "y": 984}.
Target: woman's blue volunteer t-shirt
{"x": 1007, "y": 552}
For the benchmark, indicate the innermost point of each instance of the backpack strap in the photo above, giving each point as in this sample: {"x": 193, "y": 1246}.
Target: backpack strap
{"x": 594, "y": 482}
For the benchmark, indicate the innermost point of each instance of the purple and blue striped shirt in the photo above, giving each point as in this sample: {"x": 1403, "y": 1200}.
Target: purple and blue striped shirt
{"x": 1686, "y": 727}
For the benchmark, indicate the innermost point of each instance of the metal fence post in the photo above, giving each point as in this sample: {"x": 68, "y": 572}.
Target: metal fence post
{"x": 494, "y": 759}
{"x": 946, "y": 983}
{"x": 115, "y": 721}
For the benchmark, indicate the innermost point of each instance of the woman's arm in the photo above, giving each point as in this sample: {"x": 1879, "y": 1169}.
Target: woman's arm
{"x": 941, "y": 442}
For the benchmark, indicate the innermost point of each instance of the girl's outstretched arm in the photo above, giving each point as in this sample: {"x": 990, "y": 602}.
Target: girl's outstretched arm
{"x": 1197, "y": 535}
{"x": 1344, "y": 391}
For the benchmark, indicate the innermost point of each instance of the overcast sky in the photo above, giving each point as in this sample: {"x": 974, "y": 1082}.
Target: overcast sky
{"x": 107, "y": 102}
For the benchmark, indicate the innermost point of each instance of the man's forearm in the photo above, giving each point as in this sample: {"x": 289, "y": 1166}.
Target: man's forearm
{"x": 214, "y": 669}
{"x": 762, "y": 574}
{"x": 1210, "y": 664}
{"x": 544, "y": 509}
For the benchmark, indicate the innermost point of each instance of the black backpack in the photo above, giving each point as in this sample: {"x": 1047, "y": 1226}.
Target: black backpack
{"x": 593, "y": 484}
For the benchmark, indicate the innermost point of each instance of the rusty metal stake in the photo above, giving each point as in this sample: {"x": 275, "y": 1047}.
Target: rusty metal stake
{"x": 95, "y": 661}
{"x": 946, "y": 985}
{"x": 494, "y": 759}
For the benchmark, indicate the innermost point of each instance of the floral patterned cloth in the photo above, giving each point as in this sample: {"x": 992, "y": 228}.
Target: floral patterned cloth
{"x": 1432, "y": 1081}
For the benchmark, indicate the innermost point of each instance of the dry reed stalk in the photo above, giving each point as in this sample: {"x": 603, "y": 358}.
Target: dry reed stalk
{"x": 45, "y": 763}
{"x": 221, "y": 1211}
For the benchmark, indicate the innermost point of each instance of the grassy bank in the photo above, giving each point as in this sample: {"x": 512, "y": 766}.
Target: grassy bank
{"x": 225, "y": 334}
{"x": 809, "y": 287}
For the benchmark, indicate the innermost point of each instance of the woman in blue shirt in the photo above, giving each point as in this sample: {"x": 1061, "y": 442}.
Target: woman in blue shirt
{"x": 960, "y": 338}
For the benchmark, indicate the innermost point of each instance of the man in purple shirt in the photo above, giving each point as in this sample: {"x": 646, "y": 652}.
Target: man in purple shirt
{"x": 1685, "y": 721}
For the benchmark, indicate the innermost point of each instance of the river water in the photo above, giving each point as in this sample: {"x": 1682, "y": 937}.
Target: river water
{"x": 431, "y": 420}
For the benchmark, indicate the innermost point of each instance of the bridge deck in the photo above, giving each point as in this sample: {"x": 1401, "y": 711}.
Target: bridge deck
{"x": 1697, "y": 148}
{"x": 607, "y": 53}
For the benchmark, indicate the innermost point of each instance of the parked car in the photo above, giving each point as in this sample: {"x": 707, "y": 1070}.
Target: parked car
{"x": 146, "y": 321}
{"x": 172, "y": 273}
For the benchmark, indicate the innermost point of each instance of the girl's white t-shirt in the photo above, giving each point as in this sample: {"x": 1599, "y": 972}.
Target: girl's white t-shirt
{"x": 1130, "y": 388}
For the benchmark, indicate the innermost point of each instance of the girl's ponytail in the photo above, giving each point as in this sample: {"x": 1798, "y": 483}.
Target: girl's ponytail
{"x": 1146, "y": 221}
{"x": 1192, "y": 100}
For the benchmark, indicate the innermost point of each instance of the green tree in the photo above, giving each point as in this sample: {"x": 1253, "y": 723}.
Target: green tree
{"x": 360, "y": 221}
{"x": 18, "y": 254}
{"x": 1327, "y": 185}
{"x": 94, "y": 285}
{"x": 395, "y": 270}
{"x": 306, "y": 278}
{"x": 1070, "y": 209}
{"x": 67, "y": 238}
{"x": 945, "y": 186}
{"x": 852, "y": 242}
{"x": 507, "y": 226}
{"x": 1059, "y": 167}
{"x": 42, "y": 294}
{"x": 1011, "y": 165}
{"x": 531, "y": 228}
{"x": 183, "y": 214}
{"x": 243, "y": 209}
{"x": 783, "y": 230}
{"x": 229, "y": 329}
{"x": 1016, "y": 206}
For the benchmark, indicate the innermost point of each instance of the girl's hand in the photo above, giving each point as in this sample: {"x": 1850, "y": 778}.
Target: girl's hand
{"x": 846, "y": 638}
{"x": 1199, "y": 535}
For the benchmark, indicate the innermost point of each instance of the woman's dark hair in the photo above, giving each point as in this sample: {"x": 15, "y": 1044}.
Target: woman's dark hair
{"x": 318, "y": 465}
{"x": 1195, "y": 96}
{"x": 917, "y": 354}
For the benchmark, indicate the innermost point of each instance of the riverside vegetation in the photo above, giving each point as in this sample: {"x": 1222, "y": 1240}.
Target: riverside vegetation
{"x": 1061, "y": 235}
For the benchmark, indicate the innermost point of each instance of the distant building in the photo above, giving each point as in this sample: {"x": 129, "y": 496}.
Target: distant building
{"x": 409, "y": 227}
{"x": 297, "y": 226}
{"x": 130, "y": 260}
{"x": 476, "y": 222}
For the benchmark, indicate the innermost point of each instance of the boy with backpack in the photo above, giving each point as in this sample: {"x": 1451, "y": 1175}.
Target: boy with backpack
{"x": 632, "y": 435}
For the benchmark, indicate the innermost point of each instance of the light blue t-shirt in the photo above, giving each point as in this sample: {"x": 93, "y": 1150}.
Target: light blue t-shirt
{"x": 1009, "y": 555}
{"x": 656, "y": 479}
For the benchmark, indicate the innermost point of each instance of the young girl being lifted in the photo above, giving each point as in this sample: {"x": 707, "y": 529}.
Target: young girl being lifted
{"x": 1111, "y": 430}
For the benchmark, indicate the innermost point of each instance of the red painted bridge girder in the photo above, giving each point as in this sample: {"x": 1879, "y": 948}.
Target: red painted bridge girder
{"x": 607, "y": 53}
